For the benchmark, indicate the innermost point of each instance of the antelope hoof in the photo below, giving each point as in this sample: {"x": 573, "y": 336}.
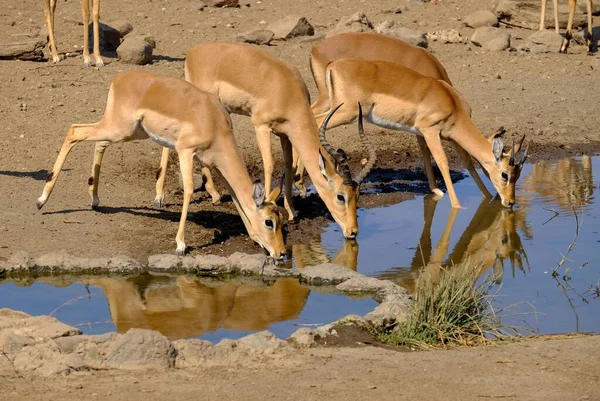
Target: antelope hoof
{"x": 438, "y": 193}
{"x": 55, "y": 59}
{"x": 40, "y": 203}
{"x": 216, "y": 200}
{"x": 292, "y": 215}
{"x": 95, "y": 203}
{"x": 180, "y": 250}
{"x": 159, "y": 202}
{"x": 99, "y": 63}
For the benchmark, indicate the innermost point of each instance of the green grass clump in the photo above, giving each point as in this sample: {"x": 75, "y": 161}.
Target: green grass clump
{"x": 449, "y": 309}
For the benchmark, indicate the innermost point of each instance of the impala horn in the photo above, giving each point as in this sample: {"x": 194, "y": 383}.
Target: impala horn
{"x": 511, "y": 161}
{"x": 524, "y": 157}
{"x": 339, "y": 156}
{"x": 372, "y": 156}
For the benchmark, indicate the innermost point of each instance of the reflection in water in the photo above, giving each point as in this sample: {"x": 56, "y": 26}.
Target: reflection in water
{"x": 490, "y": 238}
{"x": 181, "y": 307}
{"x": 566, "y": 183}
{"x": 312, "y": 253}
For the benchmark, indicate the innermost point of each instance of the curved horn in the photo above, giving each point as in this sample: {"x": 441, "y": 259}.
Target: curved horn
{"x": 372, "y": 156}
{"x": 511, "y": 161}
{"x": 524, "y": 157}
{"x": 342, "y": 164}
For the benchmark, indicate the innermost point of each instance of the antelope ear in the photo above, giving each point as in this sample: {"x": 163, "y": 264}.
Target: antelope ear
{"x": 326, "y": 168}
{"x": 258, "y": 194}
{"x": 498, "y": 144}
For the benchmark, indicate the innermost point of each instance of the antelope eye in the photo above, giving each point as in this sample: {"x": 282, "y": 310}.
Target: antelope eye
{"x": 269, "y": 223}
{"x": 341, "y": 198}
{"x": 504, "y": 176}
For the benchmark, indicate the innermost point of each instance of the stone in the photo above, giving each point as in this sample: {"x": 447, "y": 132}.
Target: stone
{"x": 21, "y": 259}
{"x": 290, "y": 27}
{"x": 595, "y": 7}
{"x": 123, "y": 27}
{"x": 11, "y": 343}
{"x": 248, "y": 264}
{"x": 135, "y": 50}
{"x": 263, "y": 342}
{"x": 198, "y": 181}
{"x": 447, "y": 36}
{"x": 146, "y": 37}
{"x": 304, "y": 338}
{"x": 414, "y": 37}
{"x": 355, "y": 23}
{"x": 222, "y": 3}
{"x": 42, "y": 328}
{"x": 526, "y": 14}
{"x": 326, "y": 274}
{"x": 257, "y": 36}
{"x": 212, "y": 263}
{"x": 543, "y": 42}
{"x": 191, "y": 353}
{"x": 31, "y": 50}
{"x": 110, "y": 37}
{"x": 370, "y": 285}
{"x": 45, "y": 358}
{"x": 140, "y": 349}
{"x": 122, "y": 264}
{"x": 484, "y": 35}
{"x": 481, "y": 18}
{"x": 394, "y": 309}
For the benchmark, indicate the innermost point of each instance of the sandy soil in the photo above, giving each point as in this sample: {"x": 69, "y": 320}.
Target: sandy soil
{"x": 549, "y": 97}
{"x": 546, "y": 370}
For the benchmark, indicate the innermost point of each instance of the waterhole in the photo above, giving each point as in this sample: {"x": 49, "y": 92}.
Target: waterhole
{"x": 543, "y": 257}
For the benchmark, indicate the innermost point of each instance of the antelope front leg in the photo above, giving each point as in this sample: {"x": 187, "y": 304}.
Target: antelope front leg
{"x": 94, "y": 180}
{"x": 186, "y": 164}
{"x": 298, "y": 168}
{"x": 263, "y": 137}
{"x": 468, "y": 162}
{"x": 85, "y": 12}
{"x": 209, "y": 185}
{"x": 77, "y": 133}
{"x": 161, "y": 176}
{"x": 568, "y": 35}
{"x": 49, "y": 16}
{"x": 434, "y": 142}
{"x": 96, "y": 15}
{"x": 286, "y": 147}
{"x": 428, "y": 167}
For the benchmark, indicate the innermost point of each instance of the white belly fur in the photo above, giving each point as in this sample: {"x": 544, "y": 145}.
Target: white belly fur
{"x": 373, "y": 119}
{"x": 167, "y": 143}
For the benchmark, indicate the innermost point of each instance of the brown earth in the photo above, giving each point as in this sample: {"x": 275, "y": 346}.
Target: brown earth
{"x": 540, "y": 369}
{"x": 552, "y": 98}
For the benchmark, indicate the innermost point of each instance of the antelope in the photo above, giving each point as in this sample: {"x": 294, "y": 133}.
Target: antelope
{"x": 313, "y": 253}
{"x": 566, "y": 41}
{"x": 49, "y": 8}
{"x": 176, "y": 114}
{"x": 183, "y": 307}
{"x": 250, "y": 81}
{"x": 374, "y": 46}
{"x": 401, "y": 99}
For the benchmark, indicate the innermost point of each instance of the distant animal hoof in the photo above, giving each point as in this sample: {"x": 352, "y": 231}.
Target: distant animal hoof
{"x": 158, "y": 203}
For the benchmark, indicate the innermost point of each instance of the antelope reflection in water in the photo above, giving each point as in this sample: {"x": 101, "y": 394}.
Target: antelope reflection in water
{"x": 490, "y": 238}
{"x": 313, "y": 253}
{"x": 181, "y": 307}
{"x": 565, "y": 183}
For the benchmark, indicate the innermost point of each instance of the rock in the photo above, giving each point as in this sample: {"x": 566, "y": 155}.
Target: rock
{"x": 355, "y": 23}
{"x": 191, "y": 353}
{"x": 370, "y": 284}
{"x": 31, "y": 50}
{"x": 20, "y": 260}
{"x": 123, "y": 27}
{"x": 543, "y": 42}
{"x": 110, "y": 37}
{"x": 198, "y": 181}
{"x": 326, "y": 274}
{"x": 447, "y": 36}
{"x": 222, "y": 3}
{"x": 122, "y": 264}
{"x": 394, "y": 308}
{"x": 595, "y": 7}
{"x": 595, "y": 64}
{"x": 263, "y": 342}
{"x": 43, "y": 358}
{"x": 41, "y": 328}
{"x": 408, "y": 35}
{"x": 11, "y": 343}
{"x": 481, "y": 18}
{"x": 140, "y": 349}
{"x": 248, "y": 264}
{"x": 526, "y": 14}
{"x": 146, "y": 37}
{"x": 304, "y": 338}
{"x": 290, "y": 27}
{"x": 497, "y": 38}
{"x": 257, "y": 36}
{"x": 212, "y": 264}
{"x": 168, "y": 263}
{"x": 135, "y": 50}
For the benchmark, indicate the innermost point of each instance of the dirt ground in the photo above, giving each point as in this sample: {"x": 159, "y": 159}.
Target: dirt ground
{"x": 552, "y": 98}
{"x": 547, "y": 370}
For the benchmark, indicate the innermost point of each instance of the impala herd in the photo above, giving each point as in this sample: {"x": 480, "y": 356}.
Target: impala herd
{"x": 384, "y": 80}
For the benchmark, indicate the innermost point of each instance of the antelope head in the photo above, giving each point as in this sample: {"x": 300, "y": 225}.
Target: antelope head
{"x": 345, "y": 187}
{"x": 506, "y": 170}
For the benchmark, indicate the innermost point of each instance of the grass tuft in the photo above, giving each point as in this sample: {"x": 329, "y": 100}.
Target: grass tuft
{"x": 451, "y": 310}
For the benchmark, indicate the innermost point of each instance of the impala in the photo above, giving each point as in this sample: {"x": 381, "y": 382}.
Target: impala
{"x": 250, "y": 81}
{"x": 572, "y": 3}
{"x": 374, "y": 46}
{"x": 178, "y": 115}
{"x": 50, "y": 7}
{"x": 399, "y": 98}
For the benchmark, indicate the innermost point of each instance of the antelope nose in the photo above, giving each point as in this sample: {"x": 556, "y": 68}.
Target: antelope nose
{"x": 352, "y": 235}
{"x": 511, "y": 204}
